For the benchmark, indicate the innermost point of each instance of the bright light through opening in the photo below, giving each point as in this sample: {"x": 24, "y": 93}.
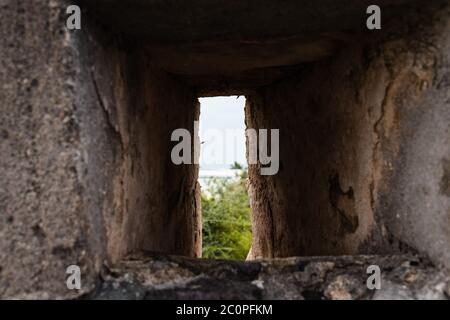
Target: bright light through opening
{"x": 222, "y": 135}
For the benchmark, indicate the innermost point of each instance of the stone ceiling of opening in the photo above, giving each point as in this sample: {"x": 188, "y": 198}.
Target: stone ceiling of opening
{"x": 224, "y": 45}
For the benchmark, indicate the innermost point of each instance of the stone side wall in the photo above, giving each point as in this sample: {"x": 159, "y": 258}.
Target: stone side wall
{"x": 45, "y": 225}
{"x": 151, "y": 203}
{"x": 159, "y": 203}
{"x": 364, "y": 147}
{"x": 85, "y": 152}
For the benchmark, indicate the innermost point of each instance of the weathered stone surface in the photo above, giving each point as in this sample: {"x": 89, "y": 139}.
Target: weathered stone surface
{"x": 362, "y": 150}
{"x": 44, "y": 222}
{"x": 154, "y": 276}
{"x": 140, "y": 107}
{"x": 86, "y": 175}
{"x": 224, "y": 47}
{"x": 85, "y": 152}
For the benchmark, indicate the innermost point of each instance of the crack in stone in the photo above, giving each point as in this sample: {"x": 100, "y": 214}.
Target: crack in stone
{"x": 105, "y": 111}
{"x": 378, "y": 136}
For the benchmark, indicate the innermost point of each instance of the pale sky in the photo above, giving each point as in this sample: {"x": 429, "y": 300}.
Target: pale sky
{"x": 220, "y": 116}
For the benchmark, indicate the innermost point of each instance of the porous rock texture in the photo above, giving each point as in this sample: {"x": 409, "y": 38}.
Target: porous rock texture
{"x": 156, "y": 276}
{"x": 87, "y": 116}
{"x": 85, "y": 153}
{"x": 363, "y": 150}
{"x": 44, "y": 221}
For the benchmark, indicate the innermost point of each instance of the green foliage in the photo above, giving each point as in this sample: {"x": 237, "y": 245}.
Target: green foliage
{"x": 226, "y": 217}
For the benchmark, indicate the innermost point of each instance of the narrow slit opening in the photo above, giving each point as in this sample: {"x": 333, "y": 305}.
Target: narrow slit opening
{"x": 226, "y": 225}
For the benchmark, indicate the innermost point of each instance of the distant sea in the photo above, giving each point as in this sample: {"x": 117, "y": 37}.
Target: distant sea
{"x": 204, "y": 175}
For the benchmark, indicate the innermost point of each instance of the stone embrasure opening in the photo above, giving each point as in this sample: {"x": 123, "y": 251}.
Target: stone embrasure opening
{"x": 226, "y": 217}
{"x": 363, "y": 119}
{"x": 341, "y": 135}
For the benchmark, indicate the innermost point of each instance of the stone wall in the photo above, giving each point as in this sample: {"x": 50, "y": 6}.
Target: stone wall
{"x": 364, "y": 144}
{"x": 44, "y": 224}
{"x": 87, "y": 116}
{"x": 85, "y": 142}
